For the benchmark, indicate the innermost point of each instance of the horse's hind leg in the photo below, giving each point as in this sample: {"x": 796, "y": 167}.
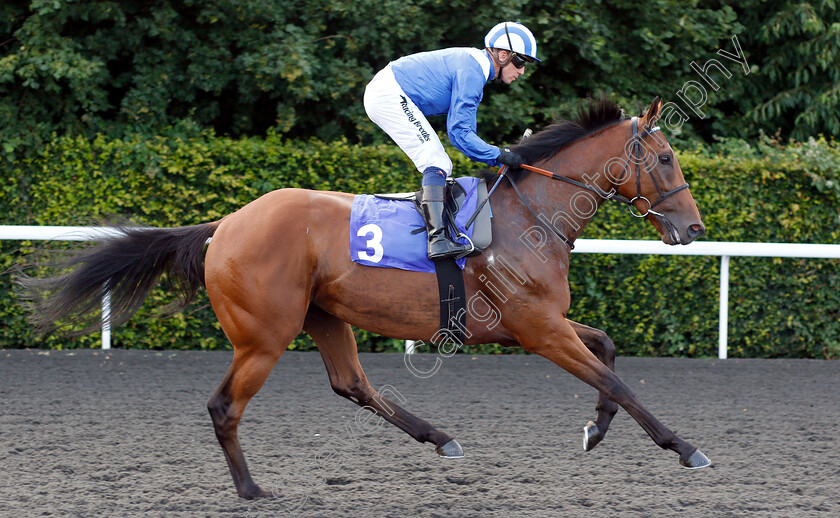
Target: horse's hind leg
{"x": 244, "y": 378}
{"x": 256, "y": 350}
{"x": 603, "y": 348}
{"x": 337, "y": 346}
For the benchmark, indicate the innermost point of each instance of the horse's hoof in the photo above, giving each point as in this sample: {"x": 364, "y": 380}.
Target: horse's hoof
{"x": 253, "y": 495}
{"x": 591, "y": 436}
{"x": 450, "y": 450}
{"x": 696, "y": 461}
{"x": 253, "y": 492}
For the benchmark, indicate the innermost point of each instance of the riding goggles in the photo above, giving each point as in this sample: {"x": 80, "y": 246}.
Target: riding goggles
{"x": 518, "y": 61}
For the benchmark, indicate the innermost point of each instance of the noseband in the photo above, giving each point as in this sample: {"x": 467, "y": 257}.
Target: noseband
{"x": 638, "y": 157}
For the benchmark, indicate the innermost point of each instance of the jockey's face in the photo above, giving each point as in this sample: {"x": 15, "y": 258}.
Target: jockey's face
{"x": 509, "y": 73}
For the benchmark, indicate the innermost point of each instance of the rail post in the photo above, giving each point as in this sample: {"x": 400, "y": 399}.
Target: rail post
{"x": 723, "y": 329}
{"x": 106, "y": 319}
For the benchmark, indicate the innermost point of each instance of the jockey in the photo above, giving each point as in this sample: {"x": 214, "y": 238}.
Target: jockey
{"x": 447, "y": 81}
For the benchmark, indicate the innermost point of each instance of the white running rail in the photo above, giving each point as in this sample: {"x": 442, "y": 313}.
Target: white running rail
{"x": 50, "y": 233}
{"x": 584, "y": 246}
{"x": 724, "y": 249}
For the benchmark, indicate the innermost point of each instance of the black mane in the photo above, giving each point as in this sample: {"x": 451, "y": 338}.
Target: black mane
{"x": 591, "y": 117}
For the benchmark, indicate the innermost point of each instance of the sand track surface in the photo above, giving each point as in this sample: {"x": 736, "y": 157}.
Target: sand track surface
{"x": 127, "y": 433}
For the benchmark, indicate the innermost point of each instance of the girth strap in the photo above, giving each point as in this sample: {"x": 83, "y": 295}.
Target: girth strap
{"x": 453, "y": 301}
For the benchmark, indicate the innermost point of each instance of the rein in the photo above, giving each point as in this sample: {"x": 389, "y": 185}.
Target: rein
{"x": 636, "y": 155}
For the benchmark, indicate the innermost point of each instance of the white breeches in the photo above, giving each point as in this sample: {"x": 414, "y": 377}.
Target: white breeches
{"x": 387, "y": 105}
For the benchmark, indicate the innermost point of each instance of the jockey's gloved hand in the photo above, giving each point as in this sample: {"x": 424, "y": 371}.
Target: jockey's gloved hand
{"x": 510, "y": 158}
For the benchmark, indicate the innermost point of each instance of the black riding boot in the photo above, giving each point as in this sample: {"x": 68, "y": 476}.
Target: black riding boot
{"x": 441, "y": 246}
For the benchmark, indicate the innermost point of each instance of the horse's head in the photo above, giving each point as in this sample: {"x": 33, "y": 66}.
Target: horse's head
{"x": 652, "y": 180}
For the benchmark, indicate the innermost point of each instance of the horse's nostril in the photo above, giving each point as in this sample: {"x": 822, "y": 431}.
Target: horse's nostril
{"x": 696, "y": 230}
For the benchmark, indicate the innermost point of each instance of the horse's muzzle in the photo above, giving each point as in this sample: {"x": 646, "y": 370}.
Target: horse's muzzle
{"x": 694, "y": 231}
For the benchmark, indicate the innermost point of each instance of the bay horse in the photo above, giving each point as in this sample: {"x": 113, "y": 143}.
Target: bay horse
{"x": 281, "y": 264}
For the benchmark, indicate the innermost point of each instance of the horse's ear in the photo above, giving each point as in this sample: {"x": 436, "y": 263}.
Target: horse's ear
{"x": 652, "y": 113}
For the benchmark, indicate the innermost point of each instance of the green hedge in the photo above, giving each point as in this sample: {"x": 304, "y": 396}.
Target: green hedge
{"x": 650, "y": 305}
{"x": 183, "y": 178}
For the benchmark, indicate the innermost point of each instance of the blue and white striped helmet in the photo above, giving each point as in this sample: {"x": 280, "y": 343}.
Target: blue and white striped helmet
{"x": 514, "y": 37}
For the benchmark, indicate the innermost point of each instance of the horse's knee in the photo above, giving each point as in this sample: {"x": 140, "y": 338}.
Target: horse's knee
{"x": 355, "y": 389}
{"x": 600, "y": 343}
{"x": 340, "y": 389}
{"x": 606, "y": 344}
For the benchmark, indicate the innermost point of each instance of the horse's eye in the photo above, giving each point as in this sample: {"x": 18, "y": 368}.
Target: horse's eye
{"x": 665, "y": 159}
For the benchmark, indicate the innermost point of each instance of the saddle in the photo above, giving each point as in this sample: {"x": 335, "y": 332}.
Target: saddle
{"x": 450, "y": 278}
{"x": 455, "y": 197}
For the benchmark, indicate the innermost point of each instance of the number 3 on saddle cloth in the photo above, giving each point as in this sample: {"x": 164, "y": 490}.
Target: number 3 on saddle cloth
{"x": 387, "y": 231}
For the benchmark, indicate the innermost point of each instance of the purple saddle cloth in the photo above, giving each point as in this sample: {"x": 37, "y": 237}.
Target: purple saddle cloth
{"x": 380, "y": 231}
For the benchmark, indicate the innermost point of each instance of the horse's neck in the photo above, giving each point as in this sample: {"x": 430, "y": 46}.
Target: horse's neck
{"x": 569, "y": 207}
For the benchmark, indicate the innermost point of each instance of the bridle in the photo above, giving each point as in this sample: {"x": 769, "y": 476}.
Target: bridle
{"x": 638, "y": 157}
{"x": 638, "y": 154}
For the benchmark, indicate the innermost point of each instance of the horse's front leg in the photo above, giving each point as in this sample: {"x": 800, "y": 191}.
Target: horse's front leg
{"x": 600, "y": 344}
{"x": 559, "y": 343}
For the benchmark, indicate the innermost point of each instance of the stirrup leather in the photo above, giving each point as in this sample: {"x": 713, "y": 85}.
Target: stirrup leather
{"x": 433, "y": 208}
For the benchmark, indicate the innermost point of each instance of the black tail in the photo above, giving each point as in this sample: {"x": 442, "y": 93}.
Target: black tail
{"x": 128, "y": 266}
